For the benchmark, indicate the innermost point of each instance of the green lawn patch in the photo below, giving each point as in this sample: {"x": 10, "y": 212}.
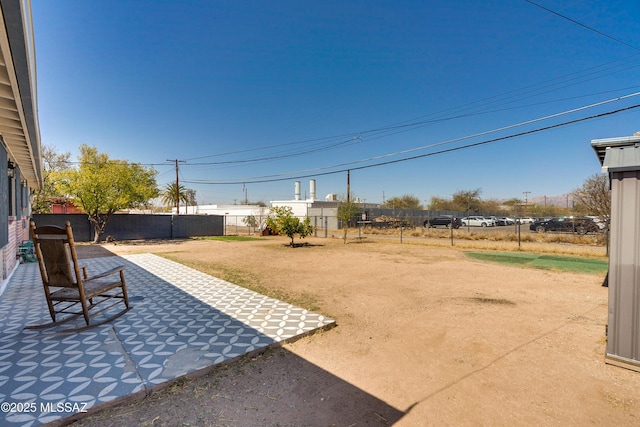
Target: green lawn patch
{"x": 545, "y": 262}
{"x": 231, "y": 238}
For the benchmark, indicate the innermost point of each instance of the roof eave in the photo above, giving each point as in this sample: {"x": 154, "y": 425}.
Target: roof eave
{"x": 19, "y": 125}
{"x": 600, "y": 146}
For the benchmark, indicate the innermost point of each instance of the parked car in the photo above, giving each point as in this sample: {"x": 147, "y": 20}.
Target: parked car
{"x": 477, "y": 221}
{"x": 507, "y": 220}
{"x": 566, "y": 224}
{"x": 498, "y": 221}
{"x": 602, "y": 224}
{"x": 443, "y": 221}
{"x": 527, "y": 220}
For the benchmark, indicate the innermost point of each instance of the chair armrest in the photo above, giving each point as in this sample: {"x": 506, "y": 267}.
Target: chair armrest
{"x": 106, "y": 273}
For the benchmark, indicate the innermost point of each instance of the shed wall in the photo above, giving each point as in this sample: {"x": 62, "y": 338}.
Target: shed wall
{"x": 623, "y": 340}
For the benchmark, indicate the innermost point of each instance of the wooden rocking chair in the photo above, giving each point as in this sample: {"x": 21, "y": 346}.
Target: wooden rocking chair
{"x": 66, "y": 287}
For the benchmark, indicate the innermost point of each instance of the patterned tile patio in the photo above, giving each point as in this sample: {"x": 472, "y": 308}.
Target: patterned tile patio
{"x": 182, "y": 321}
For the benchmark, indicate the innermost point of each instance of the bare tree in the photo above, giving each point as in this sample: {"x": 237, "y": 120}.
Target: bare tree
{"x": 440, "y": 204}
{"x": 467, "y": 200}
{"x": 595, "y": 196}
{"x": 347, "y": 211}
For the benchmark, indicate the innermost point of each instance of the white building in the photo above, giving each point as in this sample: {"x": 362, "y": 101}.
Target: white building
{"x": 323, "y": 214}
{"x": 300, "y": 207}
{"x": 234, "y": 214}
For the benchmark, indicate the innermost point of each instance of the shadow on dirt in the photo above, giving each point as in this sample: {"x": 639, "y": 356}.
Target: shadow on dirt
{"x": 276, "y": 387}
{"x": 301, "y": 245}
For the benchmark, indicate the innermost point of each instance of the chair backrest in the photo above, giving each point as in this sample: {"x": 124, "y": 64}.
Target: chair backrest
{"x": 56, "y": 255}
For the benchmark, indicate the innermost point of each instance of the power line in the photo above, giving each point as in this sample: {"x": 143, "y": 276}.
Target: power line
{"x": 450, "y": 141}
{"x": 551, "y": 85}
{"x": 447, "y": 150}
{"x": 388, "y": 131}
{"x": 582, "y": 25}
{"x": 327, "y": 138}
{"x": 282, "y": 156}
{"x": 472, "y": 109}
{"x": 377, "y": 133}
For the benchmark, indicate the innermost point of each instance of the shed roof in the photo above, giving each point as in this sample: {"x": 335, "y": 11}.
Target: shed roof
{"x": 618, "y": 154}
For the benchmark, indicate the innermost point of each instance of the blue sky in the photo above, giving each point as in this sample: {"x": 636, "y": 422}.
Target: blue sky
{"x": 268, "y": 93}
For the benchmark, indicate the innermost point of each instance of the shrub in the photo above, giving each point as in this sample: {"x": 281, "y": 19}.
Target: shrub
{"x": 282, "y": 221}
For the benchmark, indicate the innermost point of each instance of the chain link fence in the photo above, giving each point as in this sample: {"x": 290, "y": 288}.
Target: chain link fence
{"x": 411, "y": 229}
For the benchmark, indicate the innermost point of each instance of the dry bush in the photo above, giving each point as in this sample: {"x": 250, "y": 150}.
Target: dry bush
{"x": 592, "y": 245}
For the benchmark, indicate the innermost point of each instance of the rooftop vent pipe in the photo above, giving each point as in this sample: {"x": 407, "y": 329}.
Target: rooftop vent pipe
{"x": 312, "y": 190}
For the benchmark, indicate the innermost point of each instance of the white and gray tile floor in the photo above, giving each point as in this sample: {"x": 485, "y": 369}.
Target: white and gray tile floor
{"x": 182, "y": 321}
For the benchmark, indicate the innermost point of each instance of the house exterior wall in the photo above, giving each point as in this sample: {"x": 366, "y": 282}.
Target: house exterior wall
{"x": 14, "y": 213}
{"x": 18, "y": 231}
{"x": 623, "y": 337}
{"x": 20, "y": 151}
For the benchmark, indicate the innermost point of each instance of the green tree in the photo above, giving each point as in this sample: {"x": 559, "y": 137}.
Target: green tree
{"x": 101, "y": 186}
{"x": 53, "y": 164}
{"x": 282, "y": 221}
{"x": 347, "y": 210}
{"x": 173, "y": 194}
{"x": 595, "y": 196}
{"x": 406, "y": 201}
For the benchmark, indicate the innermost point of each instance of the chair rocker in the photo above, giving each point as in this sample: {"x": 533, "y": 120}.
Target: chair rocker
{"x": 67, "y": 285}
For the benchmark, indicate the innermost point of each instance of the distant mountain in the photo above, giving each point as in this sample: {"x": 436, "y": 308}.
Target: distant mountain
{"x": 561, "y": 201}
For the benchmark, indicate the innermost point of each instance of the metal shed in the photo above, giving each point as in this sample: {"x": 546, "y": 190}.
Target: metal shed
{"x": 620, "y": 158}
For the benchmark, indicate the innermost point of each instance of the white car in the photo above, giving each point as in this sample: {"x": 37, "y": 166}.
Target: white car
{"x": 526, "y": 220}
{"x": 599, "y": 222}
{"x": 477, "y": 221}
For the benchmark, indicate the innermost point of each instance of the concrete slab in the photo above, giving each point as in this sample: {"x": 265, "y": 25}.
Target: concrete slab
{"x": 182, "y": 322}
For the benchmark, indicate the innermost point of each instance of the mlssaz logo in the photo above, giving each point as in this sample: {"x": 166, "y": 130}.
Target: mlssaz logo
{"x": 65, "y": 407}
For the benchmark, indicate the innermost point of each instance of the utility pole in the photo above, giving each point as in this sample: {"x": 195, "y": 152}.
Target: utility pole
{"x": 177, "y": 184}
{"x": 526, "y": 195}
{"x": 348, "y": 186}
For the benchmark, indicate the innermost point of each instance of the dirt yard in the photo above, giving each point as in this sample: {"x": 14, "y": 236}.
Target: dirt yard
{"x": 425, "y": 336}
